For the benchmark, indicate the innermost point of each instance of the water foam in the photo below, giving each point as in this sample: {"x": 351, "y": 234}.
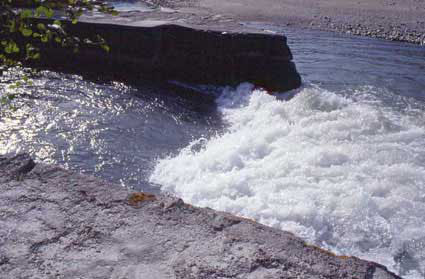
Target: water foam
{"x": 347, "y": 173}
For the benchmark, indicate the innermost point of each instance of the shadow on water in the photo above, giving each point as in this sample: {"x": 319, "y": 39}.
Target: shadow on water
{"x": 105, "y": 128}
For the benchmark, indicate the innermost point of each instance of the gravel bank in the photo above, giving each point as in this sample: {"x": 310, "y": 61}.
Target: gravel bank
{"x": 398, "y": 20}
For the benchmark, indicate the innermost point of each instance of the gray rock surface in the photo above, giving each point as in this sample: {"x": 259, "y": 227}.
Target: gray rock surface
{"x": 58, "y": 224}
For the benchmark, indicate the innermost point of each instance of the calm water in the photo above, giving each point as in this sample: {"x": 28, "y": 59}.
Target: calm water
{"x": 342, "y": 163}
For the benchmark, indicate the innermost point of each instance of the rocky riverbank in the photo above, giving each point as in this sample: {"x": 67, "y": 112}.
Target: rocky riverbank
{"x": 398, "y": 20}
{"x": 392, "y": 32}
{"x": 56, "y": 223}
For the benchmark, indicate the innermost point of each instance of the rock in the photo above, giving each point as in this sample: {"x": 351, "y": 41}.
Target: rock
{"x": 164, "y": 50}
{"x": 15, "y": 166}
{"x": 56, "y": 223}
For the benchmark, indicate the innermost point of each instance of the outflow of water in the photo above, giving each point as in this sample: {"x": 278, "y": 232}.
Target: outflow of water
{"x": 340, "y": 162}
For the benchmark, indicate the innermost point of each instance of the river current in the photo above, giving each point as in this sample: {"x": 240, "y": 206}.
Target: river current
{"x": 340, "y": 161}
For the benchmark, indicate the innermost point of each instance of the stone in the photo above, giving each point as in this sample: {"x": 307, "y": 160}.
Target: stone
{"x": 56, "y": 223}
{"x": 16, "y": 166}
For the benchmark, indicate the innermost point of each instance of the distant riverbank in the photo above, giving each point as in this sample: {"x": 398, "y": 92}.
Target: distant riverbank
{"x": 398, "y": 20}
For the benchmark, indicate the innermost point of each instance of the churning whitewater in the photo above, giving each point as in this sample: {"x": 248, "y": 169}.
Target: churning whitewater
{"x": 346, "y": 172}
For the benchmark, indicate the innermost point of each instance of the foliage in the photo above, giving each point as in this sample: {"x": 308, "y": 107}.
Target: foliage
{"x": 22, "y": 36}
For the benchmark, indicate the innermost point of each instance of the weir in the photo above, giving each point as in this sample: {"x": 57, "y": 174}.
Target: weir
{"x": 339, "y": 164}
{"x": 166, "y": 50}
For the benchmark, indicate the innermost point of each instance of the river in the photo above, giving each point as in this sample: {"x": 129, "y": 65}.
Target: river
{"x": 340, "y": 161}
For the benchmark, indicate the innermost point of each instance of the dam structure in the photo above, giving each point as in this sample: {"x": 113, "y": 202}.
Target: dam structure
{"x": 151, "y": 46}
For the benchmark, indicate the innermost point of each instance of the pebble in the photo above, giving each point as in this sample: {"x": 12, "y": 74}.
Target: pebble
{"x": 393, "y": 33}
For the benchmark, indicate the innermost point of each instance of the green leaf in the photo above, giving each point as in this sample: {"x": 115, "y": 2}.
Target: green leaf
{"x": 50, "y": 13}
{"x": 12, "y": 26}
{"x": 105, "y": 48}
{"x": 15, "y": 48}
{"x": 3, "y": 100}
{"x": 44, "y": 39}
{"x": 11, "y": 47}
{"x": 25, "y": 14}
{"x": 41, "y": 26}
{"x": 42, "y": 10}
{"x": 15, "y": 25}
{"x": 26, "y": 32}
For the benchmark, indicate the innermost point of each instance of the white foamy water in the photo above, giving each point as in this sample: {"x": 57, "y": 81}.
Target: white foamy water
{"x": 346, "y": 173}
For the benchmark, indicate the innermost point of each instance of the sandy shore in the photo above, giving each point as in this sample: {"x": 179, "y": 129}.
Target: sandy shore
{"x": 399, "y": 20}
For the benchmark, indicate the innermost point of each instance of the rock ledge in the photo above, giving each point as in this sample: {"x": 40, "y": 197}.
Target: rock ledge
{"x": 56, "y": 223}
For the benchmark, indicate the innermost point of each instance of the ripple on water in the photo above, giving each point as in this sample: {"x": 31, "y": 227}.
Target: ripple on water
{"x": 112, "y": 130}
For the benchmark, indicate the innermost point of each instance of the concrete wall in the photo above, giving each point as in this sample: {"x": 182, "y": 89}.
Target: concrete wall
{"x": 172, "y": 52}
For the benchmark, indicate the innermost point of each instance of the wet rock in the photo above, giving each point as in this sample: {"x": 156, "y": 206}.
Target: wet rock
{"x": 56, "y": 223}
{"x": 3, "y": 260}
{"x": 15, "y": 166}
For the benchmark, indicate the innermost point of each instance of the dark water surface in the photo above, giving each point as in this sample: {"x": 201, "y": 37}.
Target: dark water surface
{"x": 342, "y": 163}
{"x": 110, "y": 130}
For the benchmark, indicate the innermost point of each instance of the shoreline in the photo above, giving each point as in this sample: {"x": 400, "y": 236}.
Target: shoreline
{"x": 393, "y": 20}
{"x": 388, "y": 33}
{"x": 52, "y": 217}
